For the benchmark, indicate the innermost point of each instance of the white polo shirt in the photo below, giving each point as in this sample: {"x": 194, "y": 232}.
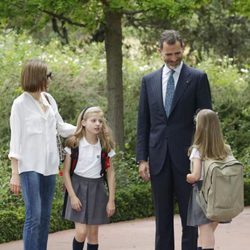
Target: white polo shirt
{"x": 89, "y": 159}
{"x": 33, "y": 134}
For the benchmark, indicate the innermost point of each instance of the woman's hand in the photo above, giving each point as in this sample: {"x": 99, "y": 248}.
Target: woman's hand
{"x": 15, "y": 186}
{"x": 75, "y": 203}
{"x": 110, "y": 208}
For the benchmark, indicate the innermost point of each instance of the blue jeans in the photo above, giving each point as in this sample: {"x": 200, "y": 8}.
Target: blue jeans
{"x": 38, "y": 192}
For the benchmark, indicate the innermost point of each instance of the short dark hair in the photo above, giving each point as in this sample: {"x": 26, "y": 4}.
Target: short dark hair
{"x": 170, "y": 37}
{"x": 34, "y": 76}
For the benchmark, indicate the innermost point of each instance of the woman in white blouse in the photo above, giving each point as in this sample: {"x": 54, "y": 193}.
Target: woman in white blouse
{"x": 34, "y": 123}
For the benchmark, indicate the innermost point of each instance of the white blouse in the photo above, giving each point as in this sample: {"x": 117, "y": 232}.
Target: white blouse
{"x": 33, "y": 134}
{"x": 89, "y": 159}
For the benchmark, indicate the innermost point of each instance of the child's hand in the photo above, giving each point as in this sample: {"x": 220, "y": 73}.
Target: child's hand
{"x": 75, "y": 203}
{"x": 191, "y": 178}
{"x": 110, "y": 208}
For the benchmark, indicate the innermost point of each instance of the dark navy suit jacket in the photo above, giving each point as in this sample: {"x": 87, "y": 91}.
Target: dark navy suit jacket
{"x": 158, "y": 134}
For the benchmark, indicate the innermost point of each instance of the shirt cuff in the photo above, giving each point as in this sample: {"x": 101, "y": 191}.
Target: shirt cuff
{"x": 111, "y": 153}
{"x": 14, "y": 155}
{"x": 67, "y": 150}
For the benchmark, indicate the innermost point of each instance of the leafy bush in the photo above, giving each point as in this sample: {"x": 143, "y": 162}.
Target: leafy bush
{"x": 126, "y": 170}
{"x": 79, "y": 81}
{"x": 11, "y": 225}
{"x": 231, "y": 99}
{"x": 247, "y": 192}
{"x": 132, "y": 202}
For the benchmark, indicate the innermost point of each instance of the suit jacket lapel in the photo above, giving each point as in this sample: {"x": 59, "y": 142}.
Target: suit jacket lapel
{"x": 157, "y": 88}
{"x": 159, "y": 96}
{"x": 181, "y": 86}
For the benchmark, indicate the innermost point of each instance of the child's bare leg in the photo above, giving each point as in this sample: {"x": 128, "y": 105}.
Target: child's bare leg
{"x": 214, "y": 225}
{"x": 92, "y": 234}
{"x": 80, "y": 232}
{"x": 199, "y": 238}
{"x": 207, "y": 235}
{"x": 92, "y": 237}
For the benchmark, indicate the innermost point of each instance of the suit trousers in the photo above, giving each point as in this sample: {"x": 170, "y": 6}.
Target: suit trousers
{"x": 169, "y": 186}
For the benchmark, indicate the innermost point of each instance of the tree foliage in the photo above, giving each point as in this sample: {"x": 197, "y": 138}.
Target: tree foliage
{"x": 216, "y": 27}
{"x": 101, "y": 19}
{"x": 220, "y": 29}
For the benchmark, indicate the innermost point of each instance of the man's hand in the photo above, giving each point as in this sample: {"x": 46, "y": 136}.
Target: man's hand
{"x": 144, "y": 170}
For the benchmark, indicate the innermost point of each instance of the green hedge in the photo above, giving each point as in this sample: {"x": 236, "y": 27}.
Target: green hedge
{"x": 132, "y": 202}
{"x": 11, "y": 224}
{"x": 247, "y": 192}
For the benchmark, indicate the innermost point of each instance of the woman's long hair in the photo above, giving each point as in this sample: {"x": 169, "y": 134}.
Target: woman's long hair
{"x": 105, "y": 135}
{"x": 208, "y": 137}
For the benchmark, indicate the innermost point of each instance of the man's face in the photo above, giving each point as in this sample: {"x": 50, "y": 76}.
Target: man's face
{"x": 172, "y": 54}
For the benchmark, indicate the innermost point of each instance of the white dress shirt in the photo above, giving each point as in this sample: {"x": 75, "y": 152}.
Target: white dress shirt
{"x": 89, "y": 159}
{"x": 165, "y": 75}
{"x": 33, "y": 134}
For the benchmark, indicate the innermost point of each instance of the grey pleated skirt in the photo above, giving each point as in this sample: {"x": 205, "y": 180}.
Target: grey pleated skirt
{"x": 195, "y": 215}
{"x": 93, "y": 196}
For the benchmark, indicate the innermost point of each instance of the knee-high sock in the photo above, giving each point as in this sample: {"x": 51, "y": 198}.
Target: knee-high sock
{"x": 92, "y": 247}
{"x": 77, "y": 245}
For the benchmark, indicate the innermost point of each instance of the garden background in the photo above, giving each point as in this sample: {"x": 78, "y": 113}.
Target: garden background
{"x": 98, "y": 51}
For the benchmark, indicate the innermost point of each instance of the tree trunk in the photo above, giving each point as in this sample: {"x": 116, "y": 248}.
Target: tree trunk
{"x": 113, "y": 46}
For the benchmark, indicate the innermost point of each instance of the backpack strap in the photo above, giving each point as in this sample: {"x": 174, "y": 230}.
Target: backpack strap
{"x": 74, "y": 158}
{"x": 105, "y": 163}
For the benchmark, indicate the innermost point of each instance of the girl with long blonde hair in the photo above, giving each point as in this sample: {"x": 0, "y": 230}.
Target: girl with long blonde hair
{"x": 208, "y": 143}
{"x": 88, "y": 204}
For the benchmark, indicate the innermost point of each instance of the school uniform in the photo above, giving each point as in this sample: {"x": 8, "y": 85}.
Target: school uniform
{"x": 89, "y": 186}
{"x": 195, "y": 215}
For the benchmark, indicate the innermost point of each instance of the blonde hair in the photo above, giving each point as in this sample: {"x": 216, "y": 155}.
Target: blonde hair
{"x": 34, "y": 76}
{"x": 105, "y": 135}
{"x": 208, "y": 137}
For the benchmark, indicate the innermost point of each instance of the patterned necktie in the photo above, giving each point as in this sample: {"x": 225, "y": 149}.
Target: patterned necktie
{"x": 169, "y": 93}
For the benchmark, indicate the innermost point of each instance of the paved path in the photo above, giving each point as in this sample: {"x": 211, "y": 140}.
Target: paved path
{"x": 139, "y": 235}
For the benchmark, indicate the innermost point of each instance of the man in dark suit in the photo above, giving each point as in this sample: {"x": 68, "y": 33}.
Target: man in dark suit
{"x": 169, "y": 99}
